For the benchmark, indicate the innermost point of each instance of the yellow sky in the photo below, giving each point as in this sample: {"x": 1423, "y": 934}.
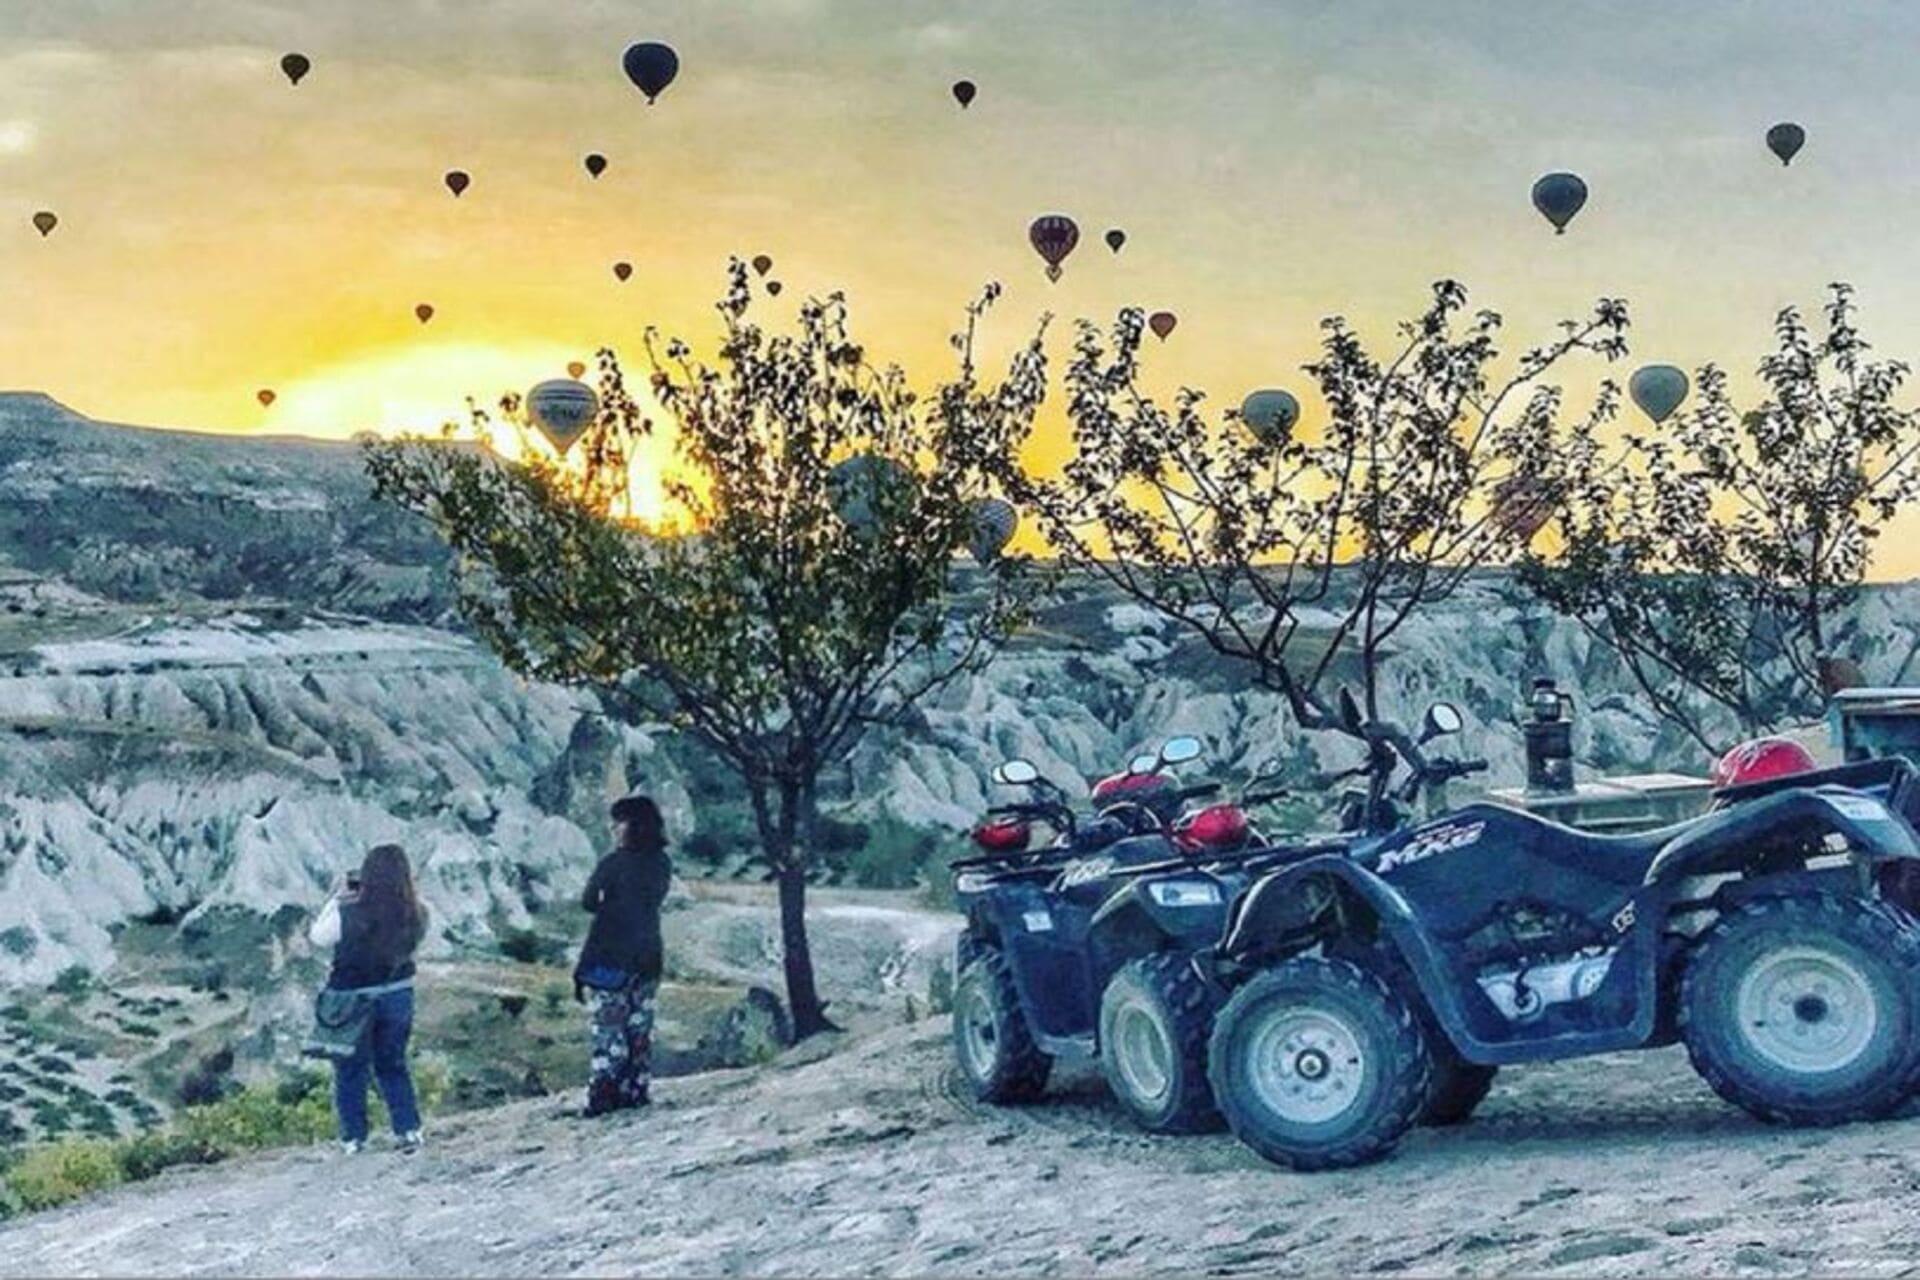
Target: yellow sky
{"x": 1271, "y": 160}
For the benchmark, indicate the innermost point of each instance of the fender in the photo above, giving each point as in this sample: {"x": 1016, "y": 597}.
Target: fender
{"x": 1133, "y": 922}
{"x": 1728, "y": 838}
{"x": 1277, "y": 903}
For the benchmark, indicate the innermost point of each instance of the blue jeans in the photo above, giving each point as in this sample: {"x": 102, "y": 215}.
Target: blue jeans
{"x": 383, "y": 1055}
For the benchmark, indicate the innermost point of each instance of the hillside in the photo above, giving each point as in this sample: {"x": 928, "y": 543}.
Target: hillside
{"x": 865, "y": 1161}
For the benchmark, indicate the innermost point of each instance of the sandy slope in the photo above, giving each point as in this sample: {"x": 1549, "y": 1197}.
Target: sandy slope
{"x": 867, "y": 1162}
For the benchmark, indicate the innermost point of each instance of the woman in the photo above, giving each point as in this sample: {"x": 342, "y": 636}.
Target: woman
{"x": 374, "y": 923}
{"x": 621, "y": 961}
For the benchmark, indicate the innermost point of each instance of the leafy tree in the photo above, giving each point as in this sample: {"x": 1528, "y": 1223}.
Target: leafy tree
{"x": 804, "y": 590}
{"x": 1288, "y": 551}
{"x": 1720, "y": 556}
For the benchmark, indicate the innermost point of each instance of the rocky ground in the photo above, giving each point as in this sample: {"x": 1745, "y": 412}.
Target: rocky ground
{"x": 864, "y": 1158}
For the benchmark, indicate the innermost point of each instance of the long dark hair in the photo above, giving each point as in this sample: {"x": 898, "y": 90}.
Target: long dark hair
{"x": 395, "y": 920}
{"x": 643, "y": 829}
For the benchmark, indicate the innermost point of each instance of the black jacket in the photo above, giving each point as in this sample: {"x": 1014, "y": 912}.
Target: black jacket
{"x": 624, "y": 894}
{"x": 365, "y": 957}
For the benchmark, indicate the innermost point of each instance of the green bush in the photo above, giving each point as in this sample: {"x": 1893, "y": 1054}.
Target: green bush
{"x": 52, "y": 1175}
{"x": 76, "y": 980}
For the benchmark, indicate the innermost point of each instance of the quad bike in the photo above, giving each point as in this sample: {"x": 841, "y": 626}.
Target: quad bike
{"x": 1774, "y": 935}
{"x": 1069, "y": 953}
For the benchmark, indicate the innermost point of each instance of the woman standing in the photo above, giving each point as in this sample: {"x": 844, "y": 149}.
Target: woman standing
{"x": 621, "y": 961}
{"x": 374, "y": 923}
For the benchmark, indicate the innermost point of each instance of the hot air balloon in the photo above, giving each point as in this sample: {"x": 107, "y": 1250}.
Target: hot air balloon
{"x": 563, "y": 409}
{"x": 1053, "y": 236}
{"x": 762, "y": 263}
{"x": 1522, "y": 505}
{"x": 296, "y": 66}
{"x": 866, "y": 486}
{"x": 1162, "y": 323}
{"x": 45, "y": 221}
{"x": 596, "y": 164}
{"x": 622, "y": 270}
{"x": 963, "y": 91}
{"x": 1785, "y": 140}
{"x": 424, "y": 311}
{"x": 773, "y": 288}
{"x": 1559, "y": 196}
{"x": 575, "y": 369}
{"x": 266, "y": 397}
{"x": 1270, "y": 415}
{"x": 1658, "y": 389}
{"x": 994, "y": 521}
{"x": 651, "y": 67}
{"x": 1115, "y": 239}
{"x": 457, "y": 181}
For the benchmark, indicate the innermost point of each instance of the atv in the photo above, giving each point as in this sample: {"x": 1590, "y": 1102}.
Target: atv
{"x": 1068, "y": 953}
{"x": 1774, "y": 935}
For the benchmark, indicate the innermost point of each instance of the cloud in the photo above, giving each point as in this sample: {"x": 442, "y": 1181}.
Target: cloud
{"x": 936, "y": 37}
{"x": 17, "y": 137}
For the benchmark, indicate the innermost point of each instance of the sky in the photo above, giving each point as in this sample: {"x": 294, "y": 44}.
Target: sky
{"x": 1272, "y": 162}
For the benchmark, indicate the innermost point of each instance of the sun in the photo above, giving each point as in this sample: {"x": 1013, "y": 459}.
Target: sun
{"x": 419, "y": 389}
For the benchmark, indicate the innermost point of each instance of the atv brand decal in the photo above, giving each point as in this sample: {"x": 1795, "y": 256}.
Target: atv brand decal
{"x": 1623, "y": 919}
{"x": 1082, "y": 872}
{"x": 1427, "y": 843}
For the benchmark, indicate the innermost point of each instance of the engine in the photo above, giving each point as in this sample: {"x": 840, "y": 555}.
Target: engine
{"x": 1530, "y": 956}
{"x": 1524, "y": 993}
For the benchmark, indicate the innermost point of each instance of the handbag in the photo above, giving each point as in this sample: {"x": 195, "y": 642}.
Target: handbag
{"x": 340, "y": 1021}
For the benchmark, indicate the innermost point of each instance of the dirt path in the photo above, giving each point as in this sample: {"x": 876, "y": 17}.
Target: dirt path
{"x": 869, "y": 1162}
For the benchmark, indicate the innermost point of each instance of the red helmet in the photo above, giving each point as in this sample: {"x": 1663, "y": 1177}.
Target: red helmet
{"x": 1004, "y": 835}
{"x": 1130, "y": 786}
{"x": 1219, "y": 826}
{"x": 1761, "y": 760}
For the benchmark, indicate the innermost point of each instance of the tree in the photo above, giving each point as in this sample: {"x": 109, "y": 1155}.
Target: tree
{"x": 1284, "y": 551}
{"x": 1719, "y": 557}
{"x": 805, "y": 594}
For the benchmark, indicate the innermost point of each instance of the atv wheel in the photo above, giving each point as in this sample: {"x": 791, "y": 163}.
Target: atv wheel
{"x": 991, "y": 1040}
{"x": 1806, "y": 1011}
{"x": 1457, "y": 1086}
{"x": 1317, "y": 1064}
{"x": 1154, "y": 1019}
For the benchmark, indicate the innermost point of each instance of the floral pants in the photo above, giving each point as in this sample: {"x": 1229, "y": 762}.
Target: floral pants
{"x": 622, "y": 1030}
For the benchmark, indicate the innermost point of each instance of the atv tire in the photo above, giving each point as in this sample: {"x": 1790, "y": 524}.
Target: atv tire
{"x": 1457, "y": 1086}
{"x": 1319, "y": 1063}
{"x": 991, "y": 1040}
{"x": 1806, "y": 1011}
{"x": 1154, "y": 1018}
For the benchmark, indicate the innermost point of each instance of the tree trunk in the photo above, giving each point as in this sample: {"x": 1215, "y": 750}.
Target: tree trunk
{"x": 785, "y": 837}
{"x": 803, "y": 997}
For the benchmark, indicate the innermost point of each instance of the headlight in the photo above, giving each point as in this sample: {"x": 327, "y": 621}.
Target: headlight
{"x": 1184, "y": 893}
{"x": 969, "y": 882}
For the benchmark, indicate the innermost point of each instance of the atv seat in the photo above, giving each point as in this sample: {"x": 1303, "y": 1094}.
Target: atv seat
{"x": 1623, "y": 859}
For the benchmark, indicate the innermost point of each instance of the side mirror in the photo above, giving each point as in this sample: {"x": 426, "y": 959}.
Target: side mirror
{"x": 1180, "y": 750}
{"x": 1142, "y": 764}
{"x": 1442, "y": 718}
{"x": 1017, "y": 773}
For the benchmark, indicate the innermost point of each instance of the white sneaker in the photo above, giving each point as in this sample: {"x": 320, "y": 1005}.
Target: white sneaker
{"x": 412, "y": 1142}
{"x": 353, "y": 1146}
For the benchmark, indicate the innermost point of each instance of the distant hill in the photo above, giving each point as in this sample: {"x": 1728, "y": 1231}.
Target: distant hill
{"x": 139, "y": 514}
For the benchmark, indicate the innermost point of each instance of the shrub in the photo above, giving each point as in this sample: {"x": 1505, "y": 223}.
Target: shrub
{"x": 74, "y": 981}
{"x": 62, "y": 1171}
{"x": 528, "y": 947}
